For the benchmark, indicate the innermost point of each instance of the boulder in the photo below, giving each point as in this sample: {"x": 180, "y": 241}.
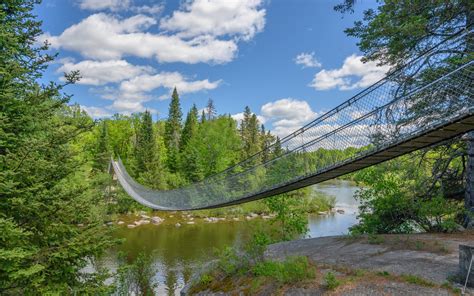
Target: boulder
{"x": 120, "y": 222}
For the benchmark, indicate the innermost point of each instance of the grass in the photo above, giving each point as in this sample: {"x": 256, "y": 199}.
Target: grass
{"x": 292, "y": 270}
{"x": 413, "y": 279}
{"x": 374, "y": 239}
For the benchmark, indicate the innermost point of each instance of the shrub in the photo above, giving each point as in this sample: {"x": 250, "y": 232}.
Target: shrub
{"x": 331, "y": 281}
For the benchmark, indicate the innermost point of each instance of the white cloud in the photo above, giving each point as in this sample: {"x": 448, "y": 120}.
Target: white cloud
{"x": 308, "y": 60}
{"x": 103, "y": 72}
{"x": 113, "y": 5}
{"x": 240, "y": 116}
{"x": 131, "y": 94}
{"x": 102, "y": 36}
{"x": 287, "y": 115}
{"x": 243, "y": 18}
{"x": 353, "y": 74}
{"x": 96, "y": 112}
{"x": 155, "y": 9}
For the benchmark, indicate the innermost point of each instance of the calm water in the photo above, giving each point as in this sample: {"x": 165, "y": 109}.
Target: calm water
{"x": 177, "y": 250}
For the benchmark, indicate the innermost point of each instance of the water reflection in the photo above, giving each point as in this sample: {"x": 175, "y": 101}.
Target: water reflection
{"x": 178, "y": 250}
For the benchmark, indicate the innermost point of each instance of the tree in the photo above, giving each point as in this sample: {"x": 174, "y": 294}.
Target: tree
{"x": 190, "y": 127}
{"x": 173, "y": 131}
{"x": 102, "y": 152}
{"x": 401, "y": 30}
{"x": 210, "y": 110}
{"x": 145, "y": 144}
{"x": 43, "y": 192}
{"x": 250, "y": 134}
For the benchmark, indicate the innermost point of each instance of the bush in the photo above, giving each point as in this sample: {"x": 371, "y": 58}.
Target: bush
{"x": 136, "y": 277}
{"x": 331, "y": 281}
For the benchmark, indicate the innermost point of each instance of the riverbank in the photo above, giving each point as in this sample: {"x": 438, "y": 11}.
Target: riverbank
{"x": 418, "y": 264}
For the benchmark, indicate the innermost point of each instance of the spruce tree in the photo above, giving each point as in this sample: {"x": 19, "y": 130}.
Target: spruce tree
{"x": 190, "y": 127}
{"x": 173, "y": 131}
{"x": 102, "y": 150}
{"x": 145, "y": 144}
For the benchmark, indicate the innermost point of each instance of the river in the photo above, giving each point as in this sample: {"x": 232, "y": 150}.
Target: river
{"x": 177, "y": 250}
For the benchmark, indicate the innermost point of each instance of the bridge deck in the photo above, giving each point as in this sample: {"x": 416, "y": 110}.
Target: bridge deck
{"x": 437, "y": 135}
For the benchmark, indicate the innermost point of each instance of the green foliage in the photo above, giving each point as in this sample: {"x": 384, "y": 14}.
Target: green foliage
{"x": 290, "y": 214}
{"x": 395, "y": 200}
{"x": 291, "y": 270}
{"x": 206, "y": 279}
{"x": 173, "y": 131}
{"x": 331, "y": 281}
{"x": 45, "y": 176}
{"x": 136, "y": 277}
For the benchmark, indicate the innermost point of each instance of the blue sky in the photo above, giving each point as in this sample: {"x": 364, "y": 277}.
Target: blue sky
{"x": 288, "y": 60}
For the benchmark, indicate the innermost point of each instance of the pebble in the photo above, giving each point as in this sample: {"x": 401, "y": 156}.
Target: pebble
{"x": 131, "y": 225}
{"x": 177, "y": 225}
{"x": 190, "y": 222}
{"x": 120, "y": 222}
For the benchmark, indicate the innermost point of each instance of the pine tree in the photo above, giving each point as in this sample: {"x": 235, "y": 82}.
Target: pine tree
{"x": 173, "y": 131}
{"x": 190, "y": 127}
{"x": 277, "y": 149}
{"x": 145, "y": 144}
{"x": 203, "y": 116}
{"x": 211, "y": 109}
{"x": 250, "y": 134}
{"x": 102, "y": 150}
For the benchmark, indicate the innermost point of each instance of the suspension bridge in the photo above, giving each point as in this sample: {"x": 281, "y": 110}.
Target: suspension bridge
{"x": 427, "y": 101}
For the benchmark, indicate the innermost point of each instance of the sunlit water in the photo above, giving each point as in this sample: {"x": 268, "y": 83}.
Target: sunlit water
{"x": 178, "y": 250}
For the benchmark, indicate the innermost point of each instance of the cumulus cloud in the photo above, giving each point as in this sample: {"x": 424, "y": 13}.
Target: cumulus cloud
{"x": 307, "y": 60}
{"x": 131, "y": 94}
{"x": 103, "y": 36}
{"x": 242, "y": 18}
{"x": 103, "y": 72}
{"x": 113, "y": 5}
{"x": 353, "y": 74}
{"x": 96, "y": 112}
{"x": 240, "y": 116}
{"x": 287, "y": 115}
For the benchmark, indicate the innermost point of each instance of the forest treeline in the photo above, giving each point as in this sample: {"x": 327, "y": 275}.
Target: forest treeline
{"x": 176, "y": 151}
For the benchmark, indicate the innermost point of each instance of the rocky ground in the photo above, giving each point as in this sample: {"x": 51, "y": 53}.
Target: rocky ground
{"x": 421, "y": 264}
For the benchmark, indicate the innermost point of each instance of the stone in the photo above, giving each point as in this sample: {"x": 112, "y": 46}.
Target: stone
{"x": 465, "y": 256}
{"x": 145, "y": 216}
{"x": 144, "y": 221}
{"x": 137, "y": 223}
{"x": 236, "y": 219}
{"x": 80, "y": 225}
{"x": 266, "y": 217}
{"x": 110, "y": 223}
{"x": 120, "y": 222}
{"x": 177, "y": 225}
{"x": 322, "y": 213}
{"x": 340, "y": 211}
{"x": 131, "y": 225}
{"x": 157, "y": 220}
{"x": 190, "y": 222}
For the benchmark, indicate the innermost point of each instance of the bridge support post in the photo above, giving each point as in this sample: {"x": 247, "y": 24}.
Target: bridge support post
{"x": 469, "y": 190}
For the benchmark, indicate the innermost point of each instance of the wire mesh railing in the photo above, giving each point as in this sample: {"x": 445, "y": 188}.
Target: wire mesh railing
{"x": 435, "y": 88}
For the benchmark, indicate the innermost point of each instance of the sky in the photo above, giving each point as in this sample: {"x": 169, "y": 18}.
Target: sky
{"x": 289, "y": 61}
